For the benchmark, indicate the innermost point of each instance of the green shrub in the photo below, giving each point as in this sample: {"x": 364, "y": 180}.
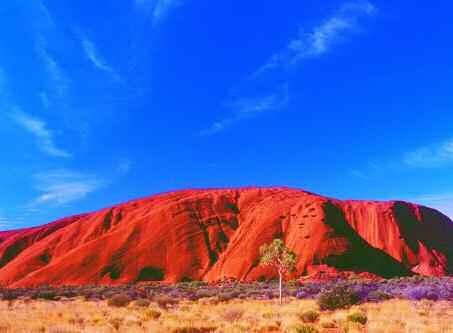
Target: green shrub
{"x": 305, "y": 329}
{"x": 358, "y": 317}
{"x": 309, "y": 316}
{"x": 338, "y": 298}
{"x": 119, "y": 300}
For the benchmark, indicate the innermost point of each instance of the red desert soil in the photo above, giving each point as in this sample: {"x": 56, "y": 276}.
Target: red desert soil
{"x": 216, "y": 234}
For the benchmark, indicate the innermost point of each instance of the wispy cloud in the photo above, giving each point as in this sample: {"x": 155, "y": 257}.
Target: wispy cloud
{"x": 322, "y": 37}
{"x": 5, "y": 223}
{"x": 268, "y": 77}
{"x": 163, "y": 7}
{"x": 45, "y": 101}
{"x": 442, "y": 202}
{"x": 2, "y": 82}
{"x": 39, "y": 129}
{"x": 359, "y": 174}
{"x": 56, "y": 74}
{"x": 432, "y": 156}
{"x": 9, "y": 223}
{"x": 124, "y": 166}
{"x": 158, "y": 8}
{"x": 95, "y": 58}
{"x": 249, "y": 107}
{"x": 61, "y": 187}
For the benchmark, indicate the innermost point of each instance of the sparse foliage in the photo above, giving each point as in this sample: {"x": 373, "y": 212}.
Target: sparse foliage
{"x": 310, "y": 316}
{"x": 340, "y": 297}
{"x": 358, "y": 317}
{"x": 277, "y": 255}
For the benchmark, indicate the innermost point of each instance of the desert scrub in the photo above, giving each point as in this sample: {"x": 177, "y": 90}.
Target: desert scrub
{"x": 116, "y": 323}
{"x": 232, "y": 315}
{"x": 192, "y": 329}
{"x": 119, "y": 300}
{"x": 340, "y": 297}
{"x": 328, "y": 324}
{"x": 305, "y": 329}
{"x": 310, "y": 316}
{"x": 45, "y": 294}
{"x": 358, "y": 317}
{"x": 166, "y": 302}
{"x": 209, "y": 300}
{"x": 141, "y": 303}
{"x": 151, "y": 314}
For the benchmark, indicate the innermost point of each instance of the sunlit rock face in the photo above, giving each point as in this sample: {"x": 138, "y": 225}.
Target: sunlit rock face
{"x": 216, "y": 234}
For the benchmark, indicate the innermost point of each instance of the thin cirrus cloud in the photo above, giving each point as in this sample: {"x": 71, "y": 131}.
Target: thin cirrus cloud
{"x": 359, "y": 174}
{"x": 433, "y": 156}
{"x": 249, "y": 107}
{"x": 308, "y": 45}
{"x": 8, "y": 223}
{"x": 124, "y": 166}
{"x": 4, "y": 222}
{"x": 321, "y": 38}
{"x": 61, "y": 187}
{"x": 57, "y": 76}
{"x": 159, "y": 9}
{"x": 94, "y": 57}
{"x": 39, "y": 129}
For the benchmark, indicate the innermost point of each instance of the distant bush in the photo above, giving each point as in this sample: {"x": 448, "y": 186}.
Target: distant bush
{"x": 227, "y": 296}
{"x": 338, "y": 298}
{"x": 197, "y": 284}
{"x": 422, "y": 292}
{"x": 119, "y": 300}
{"x": 9, "y": 295}
{"x": 358, "y": 317}
{"x": 309, "y": 316}
{"x": 45, "y": 294}
{"x": 203, "y": 293}
{"x": 166, "y": 302}
{"x": 142, "y": 302}
{"x": 378, "y": 296}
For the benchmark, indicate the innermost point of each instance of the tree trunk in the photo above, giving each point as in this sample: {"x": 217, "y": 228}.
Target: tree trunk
{"x": 280, "y": 286}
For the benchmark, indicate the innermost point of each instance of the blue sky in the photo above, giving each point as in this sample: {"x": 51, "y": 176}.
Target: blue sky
{"x": 102, "y": 104}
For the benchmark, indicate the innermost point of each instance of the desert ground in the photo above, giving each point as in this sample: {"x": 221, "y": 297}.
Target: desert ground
{"x": 418, "y": 305}
{"x": 71, "y": 316}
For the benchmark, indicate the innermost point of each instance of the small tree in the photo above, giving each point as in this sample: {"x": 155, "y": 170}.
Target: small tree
{"x": 277, "y": 255}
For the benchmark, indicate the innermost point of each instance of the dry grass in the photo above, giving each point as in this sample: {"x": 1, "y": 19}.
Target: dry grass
{"x": 78, "y": 315}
